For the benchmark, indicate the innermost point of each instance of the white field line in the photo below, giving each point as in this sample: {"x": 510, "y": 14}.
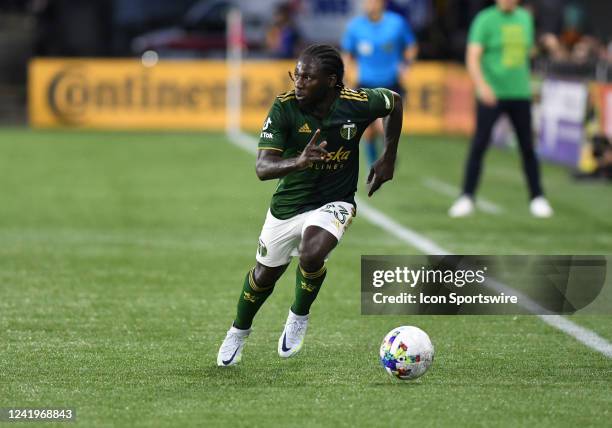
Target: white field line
{"x": 395, "y": 229}
{"x": 452, "y": 191}
{"x": 244, "y": 141}
{"x": 426, "y": 245}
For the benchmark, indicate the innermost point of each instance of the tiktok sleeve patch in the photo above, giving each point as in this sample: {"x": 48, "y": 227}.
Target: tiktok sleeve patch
{"x": 273, "y": 134}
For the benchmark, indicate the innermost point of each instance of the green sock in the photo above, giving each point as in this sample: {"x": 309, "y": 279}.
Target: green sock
{"x": 251, "y": 299}
{"x": 307, "y": 287}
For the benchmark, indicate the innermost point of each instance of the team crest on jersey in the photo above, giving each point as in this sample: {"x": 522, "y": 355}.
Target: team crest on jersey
{"x": 348, "y": 131}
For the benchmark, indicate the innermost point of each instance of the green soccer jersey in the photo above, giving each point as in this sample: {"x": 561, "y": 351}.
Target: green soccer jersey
{"x": 288, "y": 129}
{"x": 506, "y": 39}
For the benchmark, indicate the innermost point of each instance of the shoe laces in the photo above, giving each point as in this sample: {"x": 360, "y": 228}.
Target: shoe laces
{"x": 296, "y": 328}
{"x": 231, "y": 342}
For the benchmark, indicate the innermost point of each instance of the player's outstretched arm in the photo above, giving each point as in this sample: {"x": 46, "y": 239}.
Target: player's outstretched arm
{"x": 270, "y": 163}
{"x": 382, "y": 170}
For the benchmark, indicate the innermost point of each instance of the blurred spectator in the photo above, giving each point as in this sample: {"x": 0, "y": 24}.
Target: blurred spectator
{"x": 282, "y": 38}
{"x": 565, "y": 34}
{"x": 500, "y": 42}
{"x": 573, "y": 24}
{"x": 379, "y": 44}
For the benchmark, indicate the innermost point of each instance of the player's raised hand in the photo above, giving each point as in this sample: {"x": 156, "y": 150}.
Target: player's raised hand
{"x": 312, "y": 151}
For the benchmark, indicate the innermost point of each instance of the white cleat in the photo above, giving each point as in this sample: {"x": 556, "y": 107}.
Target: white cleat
{"x": 463, "y": 207}
{"x": 230, "y": 352}
{"x": 540, "y": 207}
{"x": 292, "y": 339}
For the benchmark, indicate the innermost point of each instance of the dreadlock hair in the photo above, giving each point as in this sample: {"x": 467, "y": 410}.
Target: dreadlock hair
{"x": 329, "y": 60}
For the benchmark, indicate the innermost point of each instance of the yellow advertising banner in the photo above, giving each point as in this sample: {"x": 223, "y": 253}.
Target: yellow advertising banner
{"x": 123, "y": 94}
{"x": 424, "y": 98}
{"x": 191, "y": 95}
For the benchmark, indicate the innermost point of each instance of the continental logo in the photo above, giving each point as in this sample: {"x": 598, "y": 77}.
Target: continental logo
{"x": 122, "y": 93}
{"x": 71, "y": 94}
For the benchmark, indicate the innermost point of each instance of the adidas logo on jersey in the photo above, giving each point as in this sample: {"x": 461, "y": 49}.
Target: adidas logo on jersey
{"x": 305, "y": 128}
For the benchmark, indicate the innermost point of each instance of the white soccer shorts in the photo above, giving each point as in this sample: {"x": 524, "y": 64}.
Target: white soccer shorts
{"x": 280, "y": 239}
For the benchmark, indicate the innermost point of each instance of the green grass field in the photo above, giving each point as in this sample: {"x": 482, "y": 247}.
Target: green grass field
{"x": 122, "y": 256}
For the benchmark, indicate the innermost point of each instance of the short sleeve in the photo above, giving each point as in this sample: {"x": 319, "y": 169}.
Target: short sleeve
{"x": 274, "y": 130}
{"x": 380, "y": 101}
{"x": 477, "y": 34}
{"x": 408, "y": 35}
{"x": 530, "y": 31}
{"x": 348, "y": 43}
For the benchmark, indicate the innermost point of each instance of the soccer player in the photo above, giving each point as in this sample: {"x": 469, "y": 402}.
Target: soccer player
{"x": 310, "y": 142}
{"x": 381, "y": 44}
{"x": 499, "y": 45}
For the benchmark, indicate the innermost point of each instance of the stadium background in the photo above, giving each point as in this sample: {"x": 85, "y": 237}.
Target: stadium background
{"x": 129, "y": 217}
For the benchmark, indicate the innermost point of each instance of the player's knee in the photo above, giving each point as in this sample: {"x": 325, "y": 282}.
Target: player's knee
{"x": 312, "y": 259}
{"x": 265, "y": 277}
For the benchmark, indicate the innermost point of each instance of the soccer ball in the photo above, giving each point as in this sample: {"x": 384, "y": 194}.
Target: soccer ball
{"x": 406, "y": 352}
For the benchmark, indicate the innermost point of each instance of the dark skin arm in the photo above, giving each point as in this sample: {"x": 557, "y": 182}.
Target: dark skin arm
{"x": 382, "y": 170}
{"x": 270, "y": 163}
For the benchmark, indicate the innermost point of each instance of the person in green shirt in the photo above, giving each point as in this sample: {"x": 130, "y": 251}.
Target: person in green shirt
{"x": 500, "y": 42}
{"x": 310, "y": 142}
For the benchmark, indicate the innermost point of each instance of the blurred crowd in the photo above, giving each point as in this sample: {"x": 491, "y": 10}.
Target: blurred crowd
{"x": 568, "y": 30}
{"x": 565, "y": 29}
{"x": 565, "y": 33}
